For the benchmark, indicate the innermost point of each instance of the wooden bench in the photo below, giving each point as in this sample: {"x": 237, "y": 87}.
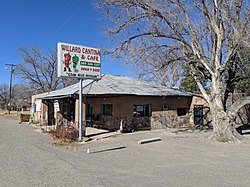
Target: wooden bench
{"x": 24, "y": 118}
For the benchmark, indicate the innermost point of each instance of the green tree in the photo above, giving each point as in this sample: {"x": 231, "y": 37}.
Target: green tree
{"x": 244, "y": 86}
{"x": 244, "y": 71}
{"x": 188, "y": 82}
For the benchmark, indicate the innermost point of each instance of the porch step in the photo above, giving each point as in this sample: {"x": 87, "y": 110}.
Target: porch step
{"x": 149, "y": 140}
{"x": 143, "y": 129}
{"x": 105, "y": 148}
{"x": 245, "y": 131}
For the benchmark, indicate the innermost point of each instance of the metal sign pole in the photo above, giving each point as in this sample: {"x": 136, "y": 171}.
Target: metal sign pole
{"x": 80, "y": 111}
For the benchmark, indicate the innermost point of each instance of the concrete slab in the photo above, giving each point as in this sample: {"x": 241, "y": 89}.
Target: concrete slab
{"x": 149, "y": 140}
{"x": 105, "y": 148}
{"x": 245, "y": 131}
{"x": 97, "y": 134}
{"x": 90, "y": 131}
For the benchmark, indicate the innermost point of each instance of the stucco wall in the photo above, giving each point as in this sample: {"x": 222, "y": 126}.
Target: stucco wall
{"x": 77, "y": 112}
{"x": 199, "y": 100}
{"x": 168, "y": 119}
{"x": 243, "y": 116}
{"x": 39, "y": 116}
{"x": 123, "y": 105}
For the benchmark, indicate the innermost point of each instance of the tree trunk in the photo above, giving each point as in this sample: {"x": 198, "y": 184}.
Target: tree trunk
{"x": 223, "y": 125}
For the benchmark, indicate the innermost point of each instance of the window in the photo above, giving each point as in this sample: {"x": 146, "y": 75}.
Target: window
{"x": 106, "y": 109}
{"x": 142, "y": 110}
{"x": 89, "y": 110}
{"x": 181, "y": 111}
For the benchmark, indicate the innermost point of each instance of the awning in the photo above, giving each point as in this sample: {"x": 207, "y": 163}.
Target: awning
{"x": 55, "y": 97}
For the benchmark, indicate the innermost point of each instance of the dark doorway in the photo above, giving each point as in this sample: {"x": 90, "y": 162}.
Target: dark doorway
{"x": 68, "y": 110}
{"x": 89, "y": 115}
{"x": 50, "y": 115}
{"x": 198, "y": 115}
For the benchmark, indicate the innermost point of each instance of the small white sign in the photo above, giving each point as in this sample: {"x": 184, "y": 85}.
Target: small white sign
{"x": 78, "y": 61}
{"x": 56, "y": 106}
{"x": 38, "y": 104}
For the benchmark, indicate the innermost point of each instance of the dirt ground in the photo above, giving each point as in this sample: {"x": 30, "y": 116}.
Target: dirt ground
{"x": 179, "y": 159}
{"x": 29, "y": 158}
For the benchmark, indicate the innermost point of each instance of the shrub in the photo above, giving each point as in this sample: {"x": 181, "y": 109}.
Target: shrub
{"x": 66, "y": 133}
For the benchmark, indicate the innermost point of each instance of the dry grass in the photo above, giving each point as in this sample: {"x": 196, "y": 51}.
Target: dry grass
{"x": 13, "y": 115}
{"x": 61, "y": 142}
{"x": 69, "y": 145}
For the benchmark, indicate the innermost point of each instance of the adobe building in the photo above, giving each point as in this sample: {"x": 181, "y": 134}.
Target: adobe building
{"x": 39, "y": 109}
{"x": 113, "y": 99}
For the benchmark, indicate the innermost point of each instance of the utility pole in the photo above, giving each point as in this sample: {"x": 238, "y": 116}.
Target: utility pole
{"x": 10, "y": 89}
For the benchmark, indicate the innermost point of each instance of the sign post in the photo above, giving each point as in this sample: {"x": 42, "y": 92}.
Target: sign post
{"x": 75, "y": 61}
{"x": 80, "y": 112}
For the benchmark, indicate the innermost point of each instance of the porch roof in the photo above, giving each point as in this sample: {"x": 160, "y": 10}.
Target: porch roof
{"x": 116, "y": 85}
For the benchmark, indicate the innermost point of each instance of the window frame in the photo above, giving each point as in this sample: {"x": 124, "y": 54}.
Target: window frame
{"x": 181, "y": 112}
{"x": 103, "y": 110}
{"x": 146, "y": 110}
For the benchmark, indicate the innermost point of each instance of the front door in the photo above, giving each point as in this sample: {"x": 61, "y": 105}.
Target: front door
{"x": 68, "y": 110}
{"x": 50, "y": 115}
{"x": 198, "y": 115}
{"x": 89, "y": 115}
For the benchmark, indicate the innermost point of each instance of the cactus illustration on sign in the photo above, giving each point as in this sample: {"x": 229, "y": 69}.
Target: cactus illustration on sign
{"x": 75, "y": 62}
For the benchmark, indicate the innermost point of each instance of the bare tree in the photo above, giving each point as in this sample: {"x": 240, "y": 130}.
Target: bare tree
{"x": 4, "y": 95}
{"x": 154, "y": 65}
{"x": 205, "y": 35}
{"x": 40, "y": 70}
{"x": 21, "y": 94}
{"x": 159, "y": 71}
{"x": 68, "y": 81}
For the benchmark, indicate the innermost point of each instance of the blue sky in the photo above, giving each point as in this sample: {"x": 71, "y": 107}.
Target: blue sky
{"x": 43, "y": 23}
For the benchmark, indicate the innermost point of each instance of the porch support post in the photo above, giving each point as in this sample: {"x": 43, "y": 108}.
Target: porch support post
{"x": 80, "y": 111}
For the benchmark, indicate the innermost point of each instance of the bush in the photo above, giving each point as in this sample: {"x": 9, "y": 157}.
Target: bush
{"x": 66, "y": 133}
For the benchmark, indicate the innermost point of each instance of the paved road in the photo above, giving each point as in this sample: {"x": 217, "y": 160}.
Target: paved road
{"x": 28, "y": 158}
